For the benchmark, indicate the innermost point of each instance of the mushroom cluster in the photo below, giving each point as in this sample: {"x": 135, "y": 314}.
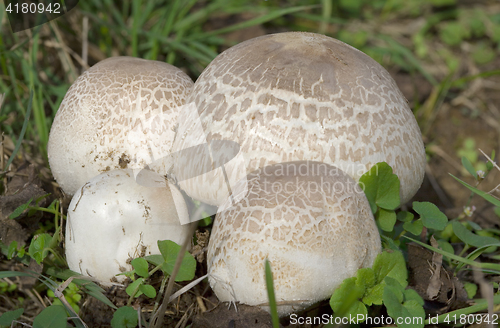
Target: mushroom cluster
{"x": 116, "y": 119}
{"x": 276, "y": 132}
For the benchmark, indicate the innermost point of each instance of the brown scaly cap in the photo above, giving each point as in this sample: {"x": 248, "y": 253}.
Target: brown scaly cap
{"x": 113, "y": 116}
{"x": 304, "y": 96}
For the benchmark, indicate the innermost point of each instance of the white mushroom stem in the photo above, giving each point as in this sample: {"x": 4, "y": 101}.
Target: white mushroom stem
{"x": 311, "y": 220}
{"x": 112, "y": 219}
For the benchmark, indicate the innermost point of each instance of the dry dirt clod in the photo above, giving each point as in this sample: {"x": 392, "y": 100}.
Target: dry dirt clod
{"x": 440, "y": 289}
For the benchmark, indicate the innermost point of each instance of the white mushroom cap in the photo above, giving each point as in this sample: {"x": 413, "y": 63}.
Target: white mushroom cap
{"x": 119, "y": 114}
{"x": 311, "y": 220}
{"x": 304, "y": 96}
{"x": 112, "y": 219}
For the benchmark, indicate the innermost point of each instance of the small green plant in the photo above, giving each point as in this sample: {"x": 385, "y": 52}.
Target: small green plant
{"x": 385, "y": 283}
{"x": 71, "y": 294}
{"x": 470, "y": 157}
{"x": 381, "y": 187}
{"x": 42, "y": 244}
{"x": 6, "y": 288}
{"x": 58, "y": 313}
{"x": 126, "y": 316}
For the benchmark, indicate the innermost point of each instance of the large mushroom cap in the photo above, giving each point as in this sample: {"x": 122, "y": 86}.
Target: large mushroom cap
{"x": 304, "y": 96}
{"x": 118, "y": 114}
{"x": 311, "y": 220}
{"x": 112, "y": 219}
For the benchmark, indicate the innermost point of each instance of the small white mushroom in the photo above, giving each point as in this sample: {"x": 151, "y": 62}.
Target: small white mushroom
{"x": 119, "y": 114}
{"x": 112, "y": 219}
{"x": 311, "y": 220}
{"x": 302, "y": 96}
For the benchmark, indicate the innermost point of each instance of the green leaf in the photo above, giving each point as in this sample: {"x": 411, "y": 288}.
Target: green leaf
{"x": 469, "y": 167}
{"x": 141, "y": 267}
{"x": 471, "y": 289}
{"x": 471, "y": 238}
{"x": 481, "y": 193}
{"x": 401, "y": 303}
{"x": 38, "y": 249}
{"x": 391, "y": 264}
{"x": 131, "y": 289}
{"x": 18, "y": 211}
{"x": 365, "y": 278}
{"x": 381, "y": 187}
{"x": 412, "y": 295}
{"x": 155, "y": 259}
{"x": 431, "y": 216}
{"x": 414, "y": 227}
{"x": 452, "y": 33}
{"x": 374, "y": 295}
{"x": 483, "y": 53}
{"x": 405, "y": 216}
{"x": 386, "y": 219}
{"x": 345, "y": 299}
{"x": 170, "y": 250}
{"x": 395, "y": 288}
{"x": 148, "y": 290}
{"x": 413, "y": 309}
{"x": 125, "y": 317}
{"x": 475, "y": 226}
{"x": 7, "y": 318}
{"x": 11, "y": 251}
{"x": 53, "y": 316}
{"x": 389, "y": 243}
{"x": 446, "y": 246}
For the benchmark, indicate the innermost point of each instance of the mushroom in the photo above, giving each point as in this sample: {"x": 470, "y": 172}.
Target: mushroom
{"x": 118, "y": 114}
{"x": 302, "y": 96}
{"x": 310, "y": 219}
{"x": 112, "y": 219}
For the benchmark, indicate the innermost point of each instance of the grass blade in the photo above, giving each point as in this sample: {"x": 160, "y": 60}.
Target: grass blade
{"x": 23, "y": 131}
{"x": 492, "y": 266}
{"x": 480, "y": 305}
{"x": 270, "y": 293}
{"x": 481, "y": 193}
{"x": 255, "y": 21}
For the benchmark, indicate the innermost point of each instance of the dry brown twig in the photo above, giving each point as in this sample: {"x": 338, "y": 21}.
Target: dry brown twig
{"x": 496, "y": 166}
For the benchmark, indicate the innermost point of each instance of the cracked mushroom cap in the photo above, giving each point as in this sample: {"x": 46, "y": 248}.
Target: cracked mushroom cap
{"x": 311, "y": 220}
{"x": 118, "y": 114}
{"x": 112, "y": 219}
{"x": 304, "y": 96}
